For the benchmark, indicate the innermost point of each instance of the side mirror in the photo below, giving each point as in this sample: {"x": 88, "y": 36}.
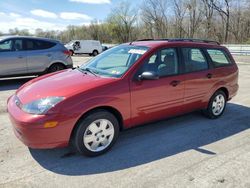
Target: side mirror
{"x": 150, "y": 75}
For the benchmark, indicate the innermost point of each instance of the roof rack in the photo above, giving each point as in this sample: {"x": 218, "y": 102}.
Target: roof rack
{"x": 141, "y": 40}
{"x": 181, "y": 40}
{"x": 191, "y": 40}
{"x": 144, "y": 40}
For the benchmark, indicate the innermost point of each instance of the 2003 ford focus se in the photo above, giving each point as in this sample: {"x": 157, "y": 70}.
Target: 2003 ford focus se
{"x": 128, "y": 85}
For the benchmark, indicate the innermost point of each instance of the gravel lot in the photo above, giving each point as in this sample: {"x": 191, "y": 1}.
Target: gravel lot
{"x": 188, "y": 151}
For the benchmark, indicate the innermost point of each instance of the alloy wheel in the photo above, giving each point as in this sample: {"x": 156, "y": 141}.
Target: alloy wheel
{"x": 218, "y": 104}
{"x": 98, "y": 135}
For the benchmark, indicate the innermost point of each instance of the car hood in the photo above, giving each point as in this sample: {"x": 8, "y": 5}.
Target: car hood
{"x": 64, "y": 83}
{"x": 68, "y": 46}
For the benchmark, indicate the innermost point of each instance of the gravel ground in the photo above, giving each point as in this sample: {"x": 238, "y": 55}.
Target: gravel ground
{"x": 188, "y": 151}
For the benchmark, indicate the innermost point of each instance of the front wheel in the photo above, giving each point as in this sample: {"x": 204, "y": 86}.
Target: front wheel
{"x": 217, "y": 105}
{"x": 96, "y": 133}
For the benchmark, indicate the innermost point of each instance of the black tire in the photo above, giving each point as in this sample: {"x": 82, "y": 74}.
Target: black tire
{"x": 95, "y": 53}
{"x": 56, "y": 67}
{"x": 209, "y": 111}
{"x": 71, "y": 52}
{"x": 83, "y": 128}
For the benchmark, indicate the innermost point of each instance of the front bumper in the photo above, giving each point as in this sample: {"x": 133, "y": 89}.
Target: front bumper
{"x": 31, "y": 131}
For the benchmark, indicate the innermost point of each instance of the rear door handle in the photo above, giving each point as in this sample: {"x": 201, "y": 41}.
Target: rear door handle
{"x": 175, "y": 83}
{"x": 49, "y": 55}
{"x": 20, "y": 56}
{"x": 209, "y": 75}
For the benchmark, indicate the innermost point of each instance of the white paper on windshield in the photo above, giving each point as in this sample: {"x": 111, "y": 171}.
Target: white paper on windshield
{"x": 136, "y": 51}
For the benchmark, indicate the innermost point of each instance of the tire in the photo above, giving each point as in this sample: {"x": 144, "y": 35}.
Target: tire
{"x": 95, "y": 53}
{"x": 56, "y": 67}
{"x": 96, "y": 133}
{"x": 71, "y": 52}
{"x": 217, "y": 105}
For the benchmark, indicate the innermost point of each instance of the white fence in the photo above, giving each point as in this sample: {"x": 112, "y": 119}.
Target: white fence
{"x": 238, "y": 49}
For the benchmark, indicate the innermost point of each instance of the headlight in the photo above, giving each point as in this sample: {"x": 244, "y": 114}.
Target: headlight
{"x": 41, "y": 106}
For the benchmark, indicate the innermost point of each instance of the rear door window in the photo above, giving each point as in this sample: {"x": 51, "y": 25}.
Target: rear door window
{"x": 194, "y": 60}
{"x": 18, "y": 45}
{"x": 218, "y": 57}
{"x": 38, "y": 44}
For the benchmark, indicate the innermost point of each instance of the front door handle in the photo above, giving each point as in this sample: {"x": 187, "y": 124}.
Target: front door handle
{"x": 209, "y": 75}
{"x": 175, "y": 83}
{"x": 20, "y": 56}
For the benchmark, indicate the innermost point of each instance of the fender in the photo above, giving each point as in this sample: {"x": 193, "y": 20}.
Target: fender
{"x": 216, "y": 86}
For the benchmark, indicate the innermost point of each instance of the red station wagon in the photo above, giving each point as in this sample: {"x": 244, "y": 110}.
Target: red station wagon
{"x": 128, "y": 85}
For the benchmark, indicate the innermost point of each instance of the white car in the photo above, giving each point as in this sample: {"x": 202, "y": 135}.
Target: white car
{"x": 91, "y": 47}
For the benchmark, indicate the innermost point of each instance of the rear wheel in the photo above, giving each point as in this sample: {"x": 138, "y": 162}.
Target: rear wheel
{"x": 217, "y": 105}
{"x": 96, "y": 133}
{"x": 56, "y": 67}
{"x": 95, "y": 53}
{"x": 71, "y": 52}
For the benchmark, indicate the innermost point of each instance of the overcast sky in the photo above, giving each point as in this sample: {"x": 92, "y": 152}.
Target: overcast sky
{"x": 52, "y": 14}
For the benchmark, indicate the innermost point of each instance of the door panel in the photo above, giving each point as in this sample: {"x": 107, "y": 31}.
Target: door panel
{"x": 197, "y": 86}
{"x": 86, "y": 47}
{"x": 39, "y": 55}
{"x": 77, "y": 46}
{"x": 156, "y": 99}
{"x": 38, "y": 60}
{"x": 198, "y": 78}
{"x": 13, "y": 59}
{"x": 12, "y": 63}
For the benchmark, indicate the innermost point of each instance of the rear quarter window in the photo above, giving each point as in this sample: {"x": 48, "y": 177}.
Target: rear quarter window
{"x": 39, "y": 45}
{"x": 218, "y": 57}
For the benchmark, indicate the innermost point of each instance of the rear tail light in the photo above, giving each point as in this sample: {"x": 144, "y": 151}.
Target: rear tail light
{"x": 67, "y": 52}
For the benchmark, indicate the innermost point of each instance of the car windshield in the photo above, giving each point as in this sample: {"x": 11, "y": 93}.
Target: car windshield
{"x": 116, "y": 61}
{"x": 71, "y": 42}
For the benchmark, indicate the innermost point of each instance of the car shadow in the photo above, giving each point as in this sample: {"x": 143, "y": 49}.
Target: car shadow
{"x": 12, "y": 84}
{"x": 149, "y": 143}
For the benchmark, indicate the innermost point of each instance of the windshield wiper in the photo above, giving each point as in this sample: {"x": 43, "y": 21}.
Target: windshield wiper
{"x": 89, "y": 70}
{"x": 78, "y": 68}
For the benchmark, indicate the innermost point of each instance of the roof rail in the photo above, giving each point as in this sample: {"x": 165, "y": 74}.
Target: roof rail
{"x": 180, "y": 40}
{"x": 141, "y": 40}
{"x": 144, "y": 40}
{"x": 191, "y": 40}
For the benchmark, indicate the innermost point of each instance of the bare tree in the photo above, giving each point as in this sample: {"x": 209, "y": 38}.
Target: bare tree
{"x": 94, "y": 30}
{"x": 195, "y": 16}
{"x": 155, "y": 18}
{"x": 180, "y": 12}
{"x": 122, "y": 19}
{"x": 222, "y": 20}
{"x": 223, "y": 7}
{"x": 209, "y": 11}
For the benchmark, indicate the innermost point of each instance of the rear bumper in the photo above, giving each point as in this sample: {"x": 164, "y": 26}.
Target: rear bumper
{"x": 30, "y": 129}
